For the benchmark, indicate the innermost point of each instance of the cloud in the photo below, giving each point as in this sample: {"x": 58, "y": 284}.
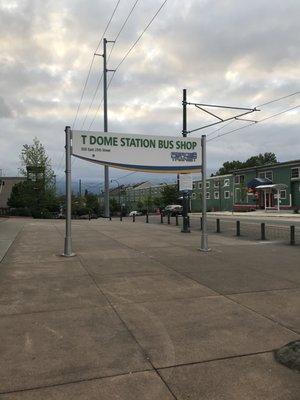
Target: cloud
{"x": 228, "y": 52}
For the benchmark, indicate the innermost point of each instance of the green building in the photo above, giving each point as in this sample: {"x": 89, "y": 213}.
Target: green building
{"x": 274, "y": 186}
{"x": 219, "y": 194}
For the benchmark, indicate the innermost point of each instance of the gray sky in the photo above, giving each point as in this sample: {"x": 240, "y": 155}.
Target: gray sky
{"x": 232, "y": 52}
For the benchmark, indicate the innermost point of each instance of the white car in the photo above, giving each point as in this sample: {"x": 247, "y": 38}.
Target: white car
{"x": 134, "y": 213}
{"x": 173, "y": 210}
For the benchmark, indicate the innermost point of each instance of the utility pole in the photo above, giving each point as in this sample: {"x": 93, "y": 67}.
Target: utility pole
{"x": 105, "y": 123}
{"x": 68, "y": 252}
{"x": 106, "y": 171}
{"x": 185, "y": 224}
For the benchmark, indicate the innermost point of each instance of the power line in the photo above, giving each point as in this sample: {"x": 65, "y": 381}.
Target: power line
{"x": 141, "y": 35}
{"x": 92, "y": 62}
{"x": 100, "y": 105}
{"x": 122, "y": 27}
{"x": 254, "y": 123}
{"x": 127, "y": 54}
{"x": 110, "y": 53}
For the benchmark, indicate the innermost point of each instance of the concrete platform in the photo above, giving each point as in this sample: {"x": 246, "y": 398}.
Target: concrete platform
{"x": 140, "y": 313}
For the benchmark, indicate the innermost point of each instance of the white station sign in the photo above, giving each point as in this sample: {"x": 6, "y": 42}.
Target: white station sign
{"x": 185, "y": 182}
{"x": 170, "y": 154}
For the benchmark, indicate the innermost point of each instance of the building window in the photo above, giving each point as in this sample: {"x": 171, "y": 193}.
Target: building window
{"x": 208, "y": 195}
{"x": 193, "y": 195}
{"x": 295, "y": 173}
{"x": 266, "y": 175}
{"x": 226, "y": 182}
{"x": 199, "y": 185}
{"x": 207, "y": 185}
{"x": 216, "y": 195}
{"x": 269, "y": 175}
{"x": 194, "y": 185}
{"x": 283, "y": 194}
{"x": 226, "y": 194}
{"x": 216, "y": 184}
{"x": 239, "y": 179}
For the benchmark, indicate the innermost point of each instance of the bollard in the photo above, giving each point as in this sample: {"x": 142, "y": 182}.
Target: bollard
{"x": 169, "y": 218}
{"x": 262, "y": 231}
{"x": 121, "y": 217}
{"x": 238, "y": 228}
{"x": 161, "y": 219}
{"x": 201, "y": 224}
{"x": 147, "y": 218}
{"x": 176, "y": 219}
{"x": 218, "y": 225}
{"x": 110, "y": 217}
{"x": 292, "y": 241}
{"x": 133, "y": 218}
{"x": 188, "y": 221}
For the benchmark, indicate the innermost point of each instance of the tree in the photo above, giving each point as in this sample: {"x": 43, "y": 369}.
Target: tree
{"x": 157, "y": 201}
{"x": 92, "y": 202}
{"x": 254, "y": 161}
{"x": 149, "y": 203}
{"x": 34, "y": 155}
{"x": 36, "y": 195}
{"x": 113, "y": 205}
{"x": 29, "y": 201}
{"x": 169, "y": 195}
{"x": 140, "y": 205}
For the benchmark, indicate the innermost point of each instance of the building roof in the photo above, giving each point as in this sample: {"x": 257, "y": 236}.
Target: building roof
{"x": 254, "y": 183}
{"x": 268, "y": 166}
{"x": 13, "y": 178}
{"x": 272, "y": 186}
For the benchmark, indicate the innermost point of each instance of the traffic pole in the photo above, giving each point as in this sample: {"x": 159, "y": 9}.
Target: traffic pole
{"x": 204, "y": 239}
{"x": 68, "y": 236}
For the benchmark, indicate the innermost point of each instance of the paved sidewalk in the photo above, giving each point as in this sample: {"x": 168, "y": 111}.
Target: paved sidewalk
{"x": 140, "y": 313}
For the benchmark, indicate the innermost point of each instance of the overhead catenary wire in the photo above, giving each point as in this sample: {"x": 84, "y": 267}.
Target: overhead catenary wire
{"x": 254, "y": 123}
{"x": 260, "y": 105}
{"x": 92, "y": 62}
{"x": 278, "y": 99}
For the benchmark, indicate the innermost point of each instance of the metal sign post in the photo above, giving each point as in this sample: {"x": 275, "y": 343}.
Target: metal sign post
{"x": 185, "y": 186}
{"x": 204, "y": 241}
{"x": 68, "y": 238}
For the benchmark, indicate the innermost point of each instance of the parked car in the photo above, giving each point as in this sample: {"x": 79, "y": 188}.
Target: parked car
{"x": 173, "y": 210}
{"x": 134, "y": 213}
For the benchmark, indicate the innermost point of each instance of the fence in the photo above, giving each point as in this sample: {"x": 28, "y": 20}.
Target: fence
{"x": 259, "y": 231}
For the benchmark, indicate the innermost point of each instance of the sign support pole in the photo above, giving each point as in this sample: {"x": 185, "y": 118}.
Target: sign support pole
{"x": 68, "y": 237}
{"x": 204, "y": 241}
{"x": 106, "y": 170}
{"x": 185, "y": 209}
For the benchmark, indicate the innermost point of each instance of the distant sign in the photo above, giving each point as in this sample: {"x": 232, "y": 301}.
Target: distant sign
{"x": 185, "y": 182}
{"x": 170, "y": 154}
